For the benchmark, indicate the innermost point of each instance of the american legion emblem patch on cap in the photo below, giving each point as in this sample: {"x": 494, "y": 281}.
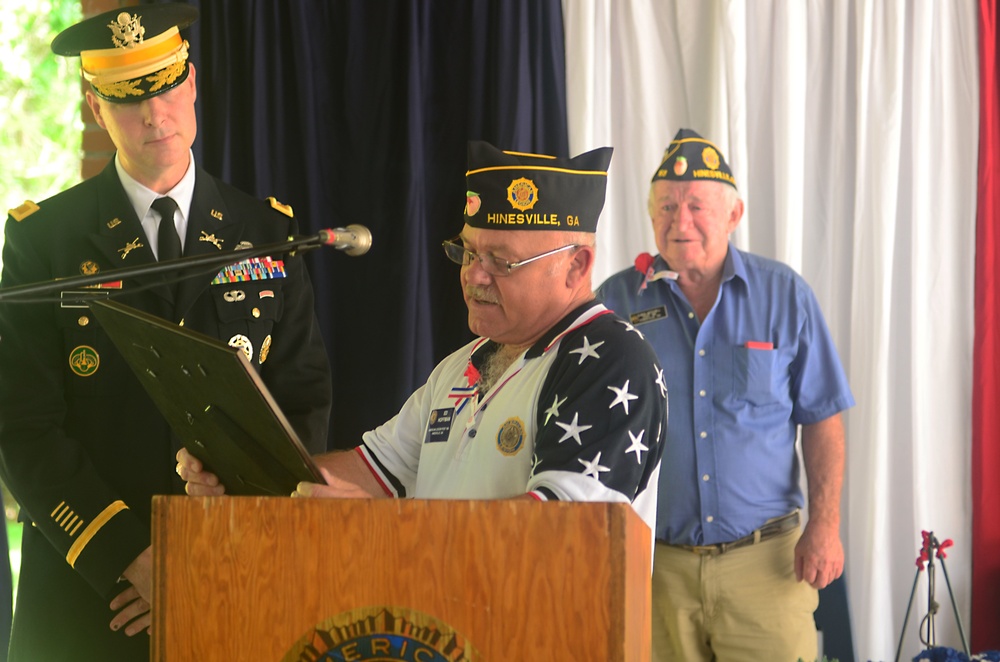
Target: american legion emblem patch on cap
{"x": 518, "y": 191}
{"x": 127, "y": 57}
{"x": 689, "y": 157}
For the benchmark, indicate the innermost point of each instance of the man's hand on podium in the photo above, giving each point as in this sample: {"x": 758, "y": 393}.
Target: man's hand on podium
{"x": 346, "y": 474}
{"x": 198, "y": 482}
{"x": 335, "y": 488}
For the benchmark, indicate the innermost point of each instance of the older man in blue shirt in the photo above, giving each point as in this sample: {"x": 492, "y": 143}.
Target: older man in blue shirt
{"x": 748, "y": 360}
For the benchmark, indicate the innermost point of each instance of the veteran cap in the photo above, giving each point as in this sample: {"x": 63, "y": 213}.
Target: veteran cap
{"x": 690, "y": 157}
{"x": 518, "y": 191}
{"x": 127, "y": 57}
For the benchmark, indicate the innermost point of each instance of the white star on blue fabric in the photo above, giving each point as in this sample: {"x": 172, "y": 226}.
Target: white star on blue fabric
{"x": 593, "y": 468}
{"x": 573, "y": 429}
{"x": 622, "y": 396}
{"x": 659, "y": 380}
{"x": 535, "y": 461}
{"x": 637, "y": 446}
{"x": 630, "y": 327}
{"x": 587, "y": 350}
{"x": 554, "y": 409}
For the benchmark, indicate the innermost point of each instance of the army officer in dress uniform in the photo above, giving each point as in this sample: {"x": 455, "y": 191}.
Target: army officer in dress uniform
{"x": 82, "y": 446}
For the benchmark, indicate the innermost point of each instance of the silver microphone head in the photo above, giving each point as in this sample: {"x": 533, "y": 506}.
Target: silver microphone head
{"x": 362, "y": 239}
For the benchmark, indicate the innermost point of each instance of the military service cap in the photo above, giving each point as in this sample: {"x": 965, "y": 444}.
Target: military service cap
{"x": 689, "y": 157}
{"x": 127, "y": 57}
{"x": 518, "y": 191}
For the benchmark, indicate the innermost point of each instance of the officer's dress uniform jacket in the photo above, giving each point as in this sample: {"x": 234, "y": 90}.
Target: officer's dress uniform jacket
{"x": 82, "y": 446}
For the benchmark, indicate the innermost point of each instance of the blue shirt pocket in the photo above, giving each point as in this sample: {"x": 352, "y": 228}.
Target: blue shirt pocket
{"x": 753, "y": 375}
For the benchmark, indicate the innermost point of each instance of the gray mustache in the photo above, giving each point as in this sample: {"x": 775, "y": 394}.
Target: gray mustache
{"x": 481, "y": 293}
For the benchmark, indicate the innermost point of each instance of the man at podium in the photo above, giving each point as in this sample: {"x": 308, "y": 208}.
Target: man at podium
{"x": 557, "y": 399}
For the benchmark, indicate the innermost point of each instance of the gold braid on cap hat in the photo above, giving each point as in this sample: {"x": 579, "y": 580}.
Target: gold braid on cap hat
{"x": 118, "y": 72}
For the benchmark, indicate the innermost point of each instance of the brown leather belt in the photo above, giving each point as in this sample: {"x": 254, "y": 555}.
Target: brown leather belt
{"x": 770, "y": 529}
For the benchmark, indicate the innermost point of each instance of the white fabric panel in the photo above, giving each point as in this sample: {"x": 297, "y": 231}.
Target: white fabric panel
{"x": 851, "y": 127}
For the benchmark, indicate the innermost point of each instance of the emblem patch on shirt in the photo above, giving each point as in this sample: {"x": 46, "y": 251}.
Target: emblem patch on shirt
{"x": 651, "y": 315}
{"x": 241, "y": 342}
{"x": 84, "y": 361}
{"x": 510, "y": 438}
{"x": 265, "y": 348}
{"x": 439, "y": 426}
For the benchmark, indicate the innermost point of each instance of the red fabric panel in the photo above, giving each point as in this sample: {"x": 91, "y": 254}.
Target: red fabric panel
{"x": 985, "y": 626}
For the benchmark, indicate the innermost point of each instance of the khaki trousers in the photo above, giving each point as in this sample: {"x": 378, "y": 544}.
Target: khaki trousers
{"x": 742, "y": 605}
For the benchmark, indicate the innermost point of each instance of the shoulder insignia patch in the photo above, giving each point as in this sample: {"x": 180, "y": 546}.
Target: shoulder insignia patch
{"x": 283, "y": 208}
{"x": 24, "y": 211}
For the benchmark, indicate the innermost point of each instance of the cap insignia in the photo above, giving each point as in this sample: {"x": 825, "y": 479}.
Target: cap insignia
{"x": 522, "y": 194}
{"x": 472, "y": 203}
{"x": 126, "y": 32}
{"x": 710, "y": 157}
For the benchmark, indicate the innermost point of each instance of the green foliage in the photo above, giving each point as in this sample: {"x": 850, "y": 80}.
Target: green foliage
{"x": 40, "y": 125}
{"x": 40, "y": 129}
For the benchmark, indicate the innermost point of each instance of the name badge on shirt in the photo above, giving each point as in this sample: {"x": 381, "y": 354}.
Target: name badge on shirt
{"x": 440, "y": 425}
{"x": 651, "y": 315}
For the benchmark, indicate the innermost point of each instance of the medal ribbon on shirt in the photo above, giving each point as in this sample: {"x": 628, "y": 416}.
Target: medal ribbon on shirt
{"x": 462, "y": 395}
{"x": 257, "y": 268}
{"x": 644, "y": 265}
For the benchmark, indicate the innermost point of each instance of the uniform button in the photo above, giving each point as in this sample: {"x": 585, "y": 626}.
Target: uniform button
{"x": 701, "y": 352}
{"x": 704, "y": 434}
{"x": 690, "y": 316}
{"x": 702, "y": 393}
{"x": 709, "y": 518}
{"x": 705, "y": 478}
{"x": 83, "y": 321}
{"x": 255, "y": 312}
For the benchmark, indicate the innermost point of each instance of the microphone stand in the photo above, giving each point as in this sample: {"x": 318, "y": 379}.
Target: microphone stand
{"x": 207, "y": 261}
{"x": 930, "y": 549}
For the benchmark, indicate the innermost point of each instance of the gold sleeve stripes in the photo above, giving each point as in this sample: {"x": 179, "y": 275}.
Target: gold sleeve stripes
{"x": 71, "y": 523}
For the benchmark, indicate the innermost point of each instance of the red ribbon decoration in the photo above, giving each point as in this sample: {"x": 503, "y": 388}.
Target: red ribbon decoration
{"x": 472, "y": 374}
{"x": 644, "y": 265}
{"x": 928, "y": 545}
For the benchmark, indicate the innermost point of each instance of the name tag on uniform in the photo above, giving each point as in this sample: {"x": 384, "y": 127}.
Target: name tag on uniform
{"x": 645, "y": 316}
{"x": 440, "y": 425}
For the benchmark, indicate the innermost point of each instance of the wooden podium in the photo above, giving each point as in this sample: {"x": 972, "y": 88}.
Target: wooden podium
{"x": 270, "y": 578}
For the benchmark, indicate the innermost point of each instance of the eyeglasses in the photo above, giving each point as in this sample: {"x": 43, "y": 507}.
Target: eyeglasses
{"x": 491, "y": 264}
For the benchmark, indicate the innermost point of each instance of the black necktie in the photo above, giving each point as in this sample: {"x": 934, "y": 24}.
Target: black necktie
{"x": 170, "y": 243}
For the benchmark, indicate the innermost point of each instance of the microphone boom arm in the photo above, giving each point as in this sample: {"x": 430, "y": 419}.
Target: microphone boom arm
{"x": 219, "y": 260}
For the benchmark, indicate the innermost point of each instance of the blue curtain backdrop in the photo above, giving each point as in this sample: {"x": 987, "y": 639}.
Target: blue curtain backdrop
{"x": 359, "y": 112}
